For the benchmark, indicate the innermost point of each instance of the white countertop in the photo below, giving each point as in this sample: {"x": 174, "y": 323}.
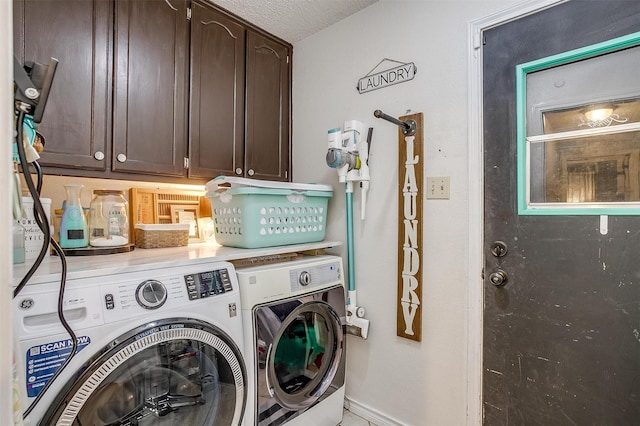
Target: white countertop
{"x": 142, "y": 259}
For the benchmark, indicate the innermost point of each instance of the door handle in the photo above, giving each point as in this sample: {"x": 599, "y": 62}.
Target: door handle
{"x": 499, "y": 278}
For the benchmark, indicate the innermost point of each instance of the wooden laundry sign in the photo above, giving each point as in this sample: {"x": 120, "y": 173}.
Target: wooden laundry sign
{"x": 399, "y": 74}
{"x": 409, "y": 298}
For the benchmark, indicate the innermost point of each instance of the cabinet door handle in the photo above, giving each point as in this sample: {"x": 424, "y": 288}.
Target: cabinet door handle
{"x": 251, "y": 172}
{"x": 99, "y": 155}
{"x": 239, "y": 171}
{"x": 121, "y": 158}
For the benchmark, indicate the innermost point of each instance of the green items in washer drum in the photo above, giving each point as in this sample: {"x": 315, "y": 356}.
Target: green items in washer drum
{"x": 299, "y": 354}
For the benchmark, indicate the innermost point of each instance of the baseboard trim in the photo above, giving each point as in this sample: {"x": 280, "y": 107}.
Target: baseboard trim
{"x": 369, "y": 414}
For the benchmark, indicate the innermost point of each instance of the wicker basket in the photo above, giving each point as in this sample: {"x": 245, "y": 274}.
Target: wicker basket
{"x": 157, "y": 236}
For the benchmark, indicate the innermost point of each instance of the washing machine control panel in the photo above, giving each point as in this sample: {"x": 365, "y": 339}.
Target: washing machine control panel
{"x": 210, "y": 283}
{"x": 159, "y": 290}
{"x": 311, "y": 276}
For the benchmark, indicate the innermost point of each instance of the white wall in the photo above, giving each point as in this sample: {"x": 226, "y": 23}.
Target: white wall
{"x": 389, "y": 379}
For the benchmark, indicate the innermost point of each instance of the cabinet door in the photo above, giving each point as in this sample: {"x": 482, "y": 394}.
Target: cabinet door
{"x": 77, "y": 117}
{"x": 150, "y": 87}
{"x": 268, "y": 108}
{"x": 217, "y": 94}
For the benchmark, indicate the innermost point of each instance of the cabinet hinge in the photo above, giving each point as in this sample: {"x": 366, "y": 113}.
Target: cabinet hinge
{"x": 287, "y": 58}
{"x": 189, "y": 13}
{"x": 286, "y": 174}
{"x": 186, "y": 162}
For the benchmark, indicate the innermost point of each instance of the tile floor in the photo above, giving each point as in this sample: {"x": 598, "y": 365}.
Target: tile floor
{"x": 350, "y": 419}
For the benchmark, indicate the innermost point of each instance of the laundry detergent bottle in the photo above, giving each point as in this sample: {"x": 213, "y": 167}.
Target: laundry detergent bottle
{"x": 73, "y": 225}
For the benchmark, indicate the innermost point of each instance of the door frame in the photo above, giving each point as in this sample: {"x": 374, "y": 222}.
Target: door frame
{"x": 475, "y": 165}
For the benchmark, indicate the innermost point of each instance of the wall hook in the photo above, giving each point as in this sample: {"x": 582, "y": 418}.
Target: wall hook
{"x": 409, "y": 127}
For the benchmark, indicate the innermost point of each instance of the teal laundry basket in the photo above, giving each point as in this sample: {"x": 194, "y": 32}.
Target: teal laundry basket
{"x": 258, "y": 216}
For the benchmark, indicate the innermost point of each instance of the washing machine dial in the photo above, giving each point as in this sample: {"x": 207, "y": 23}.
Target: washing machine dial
{"x": 304, "y": 278}
{"x": 151, "y": 294}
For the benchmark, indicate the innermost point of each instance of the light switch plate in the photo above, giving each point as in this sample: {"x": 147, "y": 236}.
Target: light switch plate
{"x": 438, "y": 187}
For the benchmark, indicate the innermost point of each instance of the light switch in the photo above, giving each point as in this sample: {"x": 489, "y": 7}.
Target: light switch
{"x": 438, "y": 187}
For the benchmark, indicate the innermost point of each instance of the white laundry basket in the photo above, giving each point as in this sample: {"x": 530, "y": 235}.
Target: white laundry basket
{"x": 251, "y": 213}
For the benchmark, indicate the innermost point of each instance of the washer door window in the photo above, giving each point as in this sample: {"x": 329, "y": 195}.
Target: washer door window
{"x": 305, "y": 355}
{"x": 179, "y": 372}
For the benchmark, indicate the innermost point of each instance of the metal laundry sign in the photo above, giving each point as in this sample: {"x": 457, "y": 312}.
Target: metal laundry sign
{"x": 399, "y": 74}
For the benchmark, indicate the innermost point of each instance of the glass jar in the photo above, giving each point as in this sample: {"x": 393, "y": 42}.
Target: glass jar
{"x": 108, "y": 219}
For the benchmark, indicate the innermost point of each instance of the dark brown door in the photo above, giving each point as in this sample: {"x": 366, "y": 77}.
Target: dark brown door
{"x": 268, "y": 108}
{"x": 76, "y": 120}
{"x": 217, "y": 94}
{"x": 150, "y": 87}
{"x": 561, "y": 337}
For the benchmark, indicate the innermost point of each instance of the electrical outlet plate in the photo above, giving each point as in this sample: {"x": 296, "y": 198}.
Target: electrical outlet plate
{"x": 438, "y": 187}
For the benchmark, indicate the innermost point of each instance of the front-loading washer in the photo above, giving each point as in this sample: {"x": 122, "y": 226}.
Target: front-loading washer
{"x": 294, "y": 318}
{"x": 159, "y": 347}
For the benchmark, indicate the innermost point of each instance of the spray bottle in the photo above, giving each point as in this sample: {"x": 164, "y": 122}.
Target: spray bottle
{"x": 73, "y": 226}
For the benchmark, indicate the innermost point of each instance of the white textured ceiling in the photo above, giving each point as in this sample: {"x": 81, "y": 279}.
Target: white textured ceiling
{"x": 293, "y": 20}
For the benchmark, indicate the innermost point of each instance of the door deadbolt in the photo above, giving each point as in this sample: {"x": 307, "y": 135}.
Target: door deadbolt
{"x": 499, "y": 249}
{"x": 499, "y": 278}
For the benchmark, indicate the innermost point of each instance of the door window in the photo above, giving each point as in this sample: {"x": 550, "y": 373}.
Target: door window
{"x": 579, "y": 131}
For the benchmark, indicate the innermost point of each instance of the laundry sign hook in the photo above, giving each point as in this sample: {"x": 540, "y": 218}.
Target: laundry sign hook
{"x": 409, "y": 127}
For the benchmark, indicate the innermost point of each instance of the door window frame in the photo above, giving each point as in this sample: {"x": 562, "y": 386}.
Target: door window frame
{"x": 525, "y": 205}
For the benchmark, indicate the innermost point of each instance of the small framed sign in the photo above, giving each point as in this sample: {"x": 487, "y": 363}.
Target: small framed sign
{"x": 187, "y": 214}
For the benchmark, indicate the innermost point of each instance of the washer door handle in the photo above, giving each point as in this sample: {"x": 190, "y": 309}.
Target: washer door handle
{"x": 266, "y": 371}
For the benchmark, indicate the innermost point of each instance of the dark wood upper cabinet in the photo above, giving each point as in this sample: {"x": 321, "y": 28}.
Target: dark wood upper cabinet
{"x": 268, "y": 108}
{"x": 77, "y": 117}
{"x": 150, "y": 87}
{"x": 170, "y": 91}
{"x": 216, "y": 128}
{"x": 240, "y": 99}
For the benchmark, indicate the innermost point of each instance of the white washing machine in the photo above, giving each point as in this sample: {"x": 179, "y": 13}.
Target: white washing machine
{"x": 159, "y": 347}
{"x": 294, "y": 318}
